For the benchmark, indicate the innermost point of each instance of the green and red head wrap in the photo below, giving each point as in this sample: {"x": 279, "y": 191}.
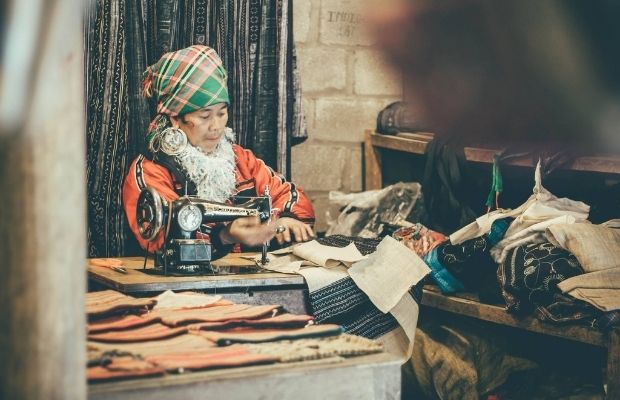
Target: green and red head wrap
{"x": 184, "y": 81}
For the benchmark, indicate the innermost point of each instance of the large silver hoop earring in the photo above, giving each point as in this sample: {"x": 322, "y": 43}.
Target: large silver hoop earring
{"x": 173, "y": 141}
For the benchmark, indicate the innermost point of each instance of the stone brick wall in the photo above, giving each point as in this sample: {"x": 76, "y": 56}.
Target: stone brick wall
{"x": 345, "y": 83}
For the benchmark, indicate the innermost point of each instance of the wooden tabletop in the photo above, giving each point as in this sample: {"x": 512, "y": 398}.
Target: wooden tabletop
{"x": 136, "y": 280}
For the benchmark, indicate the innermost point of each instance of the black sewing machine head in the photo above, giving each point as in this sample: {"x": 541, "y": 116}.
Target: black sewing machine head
{"x": 183, "y": 222}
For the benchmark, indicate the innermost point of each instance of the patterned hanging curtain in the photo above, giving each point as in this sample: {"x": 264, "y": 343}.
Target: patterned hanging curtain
{"x": 254, "y": 39}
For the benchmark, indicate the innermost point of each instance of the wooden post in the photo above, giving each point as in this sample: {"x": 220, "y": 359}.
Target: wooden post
{"x": 372, "y": 162}
{"x": 613, "y": 365}
{"x": 42, "y": 202}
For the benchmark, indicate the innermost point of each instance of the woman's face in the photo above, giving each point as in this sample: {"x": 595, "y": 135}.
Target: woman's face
{"x": 204, "y": 128}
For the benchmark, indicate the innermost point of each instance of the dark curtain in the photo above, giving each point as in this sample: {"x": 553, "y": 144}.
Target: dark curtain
{"x": 254, "y": 39}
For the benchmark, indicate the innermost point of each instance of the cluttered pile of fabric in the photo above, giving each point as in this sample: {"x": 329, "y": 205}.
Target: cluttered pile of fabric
{"x": 179, "y": 332}
{"x": 372, "y": 288}
{"x": 543, "y": 257}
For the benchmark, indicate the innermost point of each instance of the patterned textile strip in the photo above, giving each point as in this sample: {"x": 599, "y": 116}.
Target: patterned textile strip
{"x": 214, "y": 314}
{"x": 279, "y": 321}
{"x": 179, "y": 344}
{"x": 150, "y": 332}
{"x": 109, "y": 301}
{"x": 317, "y": 348}
{"x": 120, "y": 323}
{"x": 123, "y": 368}
{"x": 252, "y": 335}
{"x": 233, "y": 356}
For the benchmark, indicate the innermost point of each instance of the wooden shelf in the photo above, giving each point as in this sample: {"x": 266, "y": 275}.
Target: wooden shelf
{"x": 416, "y": 143}
{"x": 468, "y": 305}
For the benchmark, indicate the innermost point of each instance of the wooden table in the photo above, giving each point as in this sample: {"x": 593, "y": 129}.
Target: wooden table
{"x": 375, "y": 376}
{"x": 369, "y": 377}
{"x": 256, "y": 288}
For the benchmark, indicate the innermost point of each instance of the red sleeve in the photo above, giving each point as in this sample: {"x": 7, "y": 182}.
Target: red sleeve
{"x": 143, "y": 173}
{"x": 287, "y": 197}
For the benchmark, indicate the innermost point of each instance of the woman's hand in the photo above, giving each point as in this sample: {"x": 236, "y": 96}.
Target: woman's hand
{"x": 288, "y": 228}
{"x": 248, "y": 231}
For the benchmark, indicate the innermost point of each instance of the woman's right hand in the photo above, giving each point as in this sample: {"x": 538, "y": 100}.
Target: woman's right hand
{"x": 248, "y": 231}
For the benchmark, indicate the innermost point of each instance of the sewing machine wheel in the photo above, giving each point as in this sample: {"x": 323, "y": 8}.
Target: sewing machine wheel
{"x": 150, "y": 213}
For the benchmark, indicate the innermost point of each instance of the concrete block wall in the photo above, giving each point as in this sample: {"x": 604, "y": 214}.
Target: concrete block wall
{"x": 345, "y": 83}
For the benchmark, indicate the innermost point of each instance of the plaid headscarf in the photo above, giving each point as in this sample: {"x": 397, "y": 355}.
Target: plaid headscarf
{"x": 184, "y": 81}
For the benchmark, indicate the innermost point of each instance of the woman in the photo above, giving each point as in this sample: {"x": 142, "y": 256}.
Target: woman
{"x": 190, "y": 150}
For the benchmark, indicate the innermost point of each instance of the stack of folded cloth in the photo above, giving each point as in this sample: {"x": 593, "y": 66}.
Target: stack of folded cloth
{"x": 177, "y": 332}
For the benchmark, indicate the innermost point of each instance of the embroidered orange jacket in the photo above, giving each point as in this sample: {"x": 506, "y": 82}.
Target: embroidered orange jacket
{"x": 253, "y": 176}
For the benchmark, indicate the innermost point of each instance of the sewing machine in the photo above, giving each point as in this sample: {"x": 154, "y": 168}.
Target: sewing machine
{"x": 185, "y": 250}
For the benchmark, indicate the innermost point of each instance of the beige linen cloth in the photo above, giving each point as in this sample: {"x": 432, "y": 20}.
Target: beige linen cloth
{"x": 531, "y": 220}
{"x": 170, "y": 299}
{"x": 600, "y": 288}
{"x": 312, "y": 254}
{"x": 597, "y": 247}
{"x": 386, "y": 277}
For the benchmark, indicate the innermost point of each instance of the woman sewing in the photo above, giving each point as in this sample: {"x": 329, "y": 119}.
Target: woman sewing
{"x": 191, "y": 151}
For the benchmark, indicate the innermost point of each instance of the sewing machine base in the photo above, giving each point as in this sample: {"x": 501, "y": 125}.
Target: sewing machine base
{"x": 185, "y": 257}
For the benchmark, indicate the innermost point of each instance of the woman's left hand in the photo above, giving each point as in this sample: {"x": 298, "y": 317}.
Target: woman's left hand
{"x": 292, "y": 228}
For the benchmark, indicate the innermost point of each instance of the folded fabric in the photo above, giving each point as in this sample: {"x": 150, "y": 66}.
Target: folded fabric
{"x": 317, "y": 348}
{"x": 123, "y": 368}
{"x": 109, "y": 301}
{"x": 328, "y": 256}
{"x": 232, "y": 356}
{"x": 187, "y": 343}
{"x": 600, "y": 288}
{"x": 387, "y": 274}
{"x": 467, "y": 266}
{"x": 603, "y": 299}
{"x": 596, "y": 247}
{"x": 170, "y": 299}
{"x": 214, "y": 314}
{"x": 530, "y": 275}
{"x": 119, "y": 323}
{"x": 279, "y": 321}
{"x": 253, "y": 335}
{"x": 150, "y": 332}
{"x": 419, "y": 238}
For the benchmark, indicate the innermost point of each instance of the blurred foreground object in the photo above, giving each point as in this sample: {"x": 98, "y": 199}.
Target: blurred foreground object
{"x": 510, "y": 70}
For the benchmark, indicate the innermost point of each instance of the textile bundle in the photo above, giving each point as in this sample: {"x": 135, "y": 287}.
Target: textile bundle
{"x": 122, "y": 38}
{"x": 539, "y": 250}
{"x": 193, "y": 332}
